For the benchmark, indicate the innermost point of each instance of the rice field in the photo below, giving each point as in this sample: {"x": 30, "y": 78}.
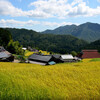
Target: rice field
{"x": 28, "y": 53}
{"x": 68, "y": 81}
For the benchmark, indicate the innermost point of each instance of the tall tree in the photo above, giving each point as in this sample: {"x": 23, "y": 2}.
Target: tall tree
{"x": 5, "y": 37}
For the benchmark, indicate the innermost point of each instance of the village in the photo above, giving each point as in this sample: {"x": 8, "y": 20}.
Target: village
{"x": 48, "y": 59}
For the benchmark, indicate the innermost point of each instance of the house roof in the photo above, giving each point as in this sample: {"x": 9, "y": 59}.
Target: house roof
{"x": 90, "y": 54}
{"x": 67, "y": 56}
{"x": 44, "y": 58}
{"x": 4, "y": 55}
{"x": 57, "y": 56}
{"x": 89, "y": 50}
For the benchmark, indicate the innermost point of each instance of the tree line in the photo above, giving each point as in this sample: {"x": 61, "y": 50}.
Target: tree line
{"x": 53, "y": 43}
{"x": 9, "y": 44}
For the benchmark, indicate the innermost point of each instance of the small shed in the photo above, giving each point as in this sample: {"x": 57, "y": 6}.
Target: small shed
{"x": 67, "y": 58}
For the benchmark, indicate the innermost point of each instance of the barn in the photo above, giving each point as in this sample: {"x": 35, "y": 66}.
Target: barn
{"x": 90, "y": 54}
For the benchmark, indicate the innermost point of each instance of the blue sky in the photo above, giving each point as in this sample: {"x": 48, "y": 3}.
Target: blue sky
{"x": 40, "y": 15}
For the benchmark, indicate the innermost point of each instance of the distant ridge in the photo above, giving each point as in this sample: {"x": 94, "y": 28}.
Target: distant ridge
{"x": 87, "y": 31}
{"x": 49, "y": 42}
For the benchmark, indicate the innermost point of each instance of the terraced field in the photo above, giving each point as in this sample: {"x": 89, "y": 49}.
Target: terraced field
{"x": 68, "y": 81}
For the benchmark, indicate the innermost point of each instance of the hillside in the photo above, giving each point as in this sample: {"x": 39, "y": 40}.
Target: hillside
{"x": 93, "y": 45}
{"x": 68, "y": 29}
{"x": 87, "y": 31}
{"x": 76, "y": 81}
{"x": 48, "y": 42}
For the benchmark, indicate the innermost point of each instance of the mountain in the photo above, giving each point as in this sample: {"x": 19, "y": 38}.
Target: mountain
{"x": 50, "y": 42}
{"x": 93, "y": 45}
{"x": 87, "y": 31}
{"x": 68, "y": 29}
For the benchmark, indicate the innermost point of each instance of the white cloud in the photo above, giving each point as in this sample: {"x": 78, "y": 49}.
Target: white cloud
{"x": 6, "y": 8}
{"x": 52, "y": 24}
{"x": 83, "y": 10}
{"x": 56, "y": 8}
{"x": 62, "y": 9}
{"x": 98, "y": 0}
{"x": 14, "y": 23}
{"x": 50, "y": 8}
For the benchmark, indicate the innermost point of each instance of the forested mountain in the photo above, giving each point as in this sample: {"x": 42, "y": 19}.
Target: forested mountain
{"x": 87, "y": 31}
{"x": 93, "y": 45}
{"x": 49, "y": 42}
{"x": 68, "y": 29}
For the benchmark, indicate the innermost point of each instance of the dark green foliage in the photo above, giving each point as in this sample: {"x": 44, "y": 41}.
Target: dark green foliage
{"x": 7, "y": 42}
{"x": 15, "y": 48}
{"x": 73, "y": 53}
{"x": 93, "y": 45}
{"x": 88, "y": 31}
{"x": 49, "y": 42}
{"x": 5, "y": 37}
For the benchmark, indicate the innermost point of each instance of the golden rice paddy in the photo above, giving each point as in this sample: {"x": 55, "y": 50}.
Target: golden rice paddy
{"x": 68, "y": 81}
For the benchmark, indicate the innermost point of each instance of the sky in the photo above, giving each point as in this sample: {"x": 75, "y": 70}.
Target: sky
{"x": 40, "y": 15}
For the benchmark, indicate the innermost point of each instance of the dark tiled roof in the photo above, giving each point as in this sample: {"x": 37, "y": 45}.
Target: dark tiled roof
{"x": 57, "y": 56}
{"x": 37, "y": 57}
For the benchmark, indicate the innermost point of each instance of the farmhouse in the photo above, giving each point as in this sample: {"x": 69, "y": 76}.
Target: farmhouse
{"x": 57, "y": 58}
{"x": 67, "y": 58}
{"x": 5, "y": 55}
{"x": 90, "y": 54}
{"x": 40, "y": 59}
{"x": 44, "y": 59}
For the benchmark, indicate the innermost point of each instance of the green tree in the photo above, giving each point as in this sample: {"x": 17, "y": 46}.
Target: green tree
{"x": 74, "y": 53}
{"x": 5, "y": 37}
{"x": 15, "y": 48}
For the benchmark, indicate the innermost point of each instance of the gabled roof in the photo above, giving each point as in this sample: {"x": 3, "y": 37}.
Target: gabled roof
{"x": 69, "y": 56}
{"x": 90, "y": 54}
{"x": 57, "y": 56}
{"x": 4, "y": 55}
{"x": 44, "y": 58}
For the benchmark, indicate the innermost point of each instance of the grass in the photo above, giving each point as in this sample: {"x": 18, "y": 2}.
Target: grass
{"x": 73, "y": 81}
{"x": 95, "y": 59}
